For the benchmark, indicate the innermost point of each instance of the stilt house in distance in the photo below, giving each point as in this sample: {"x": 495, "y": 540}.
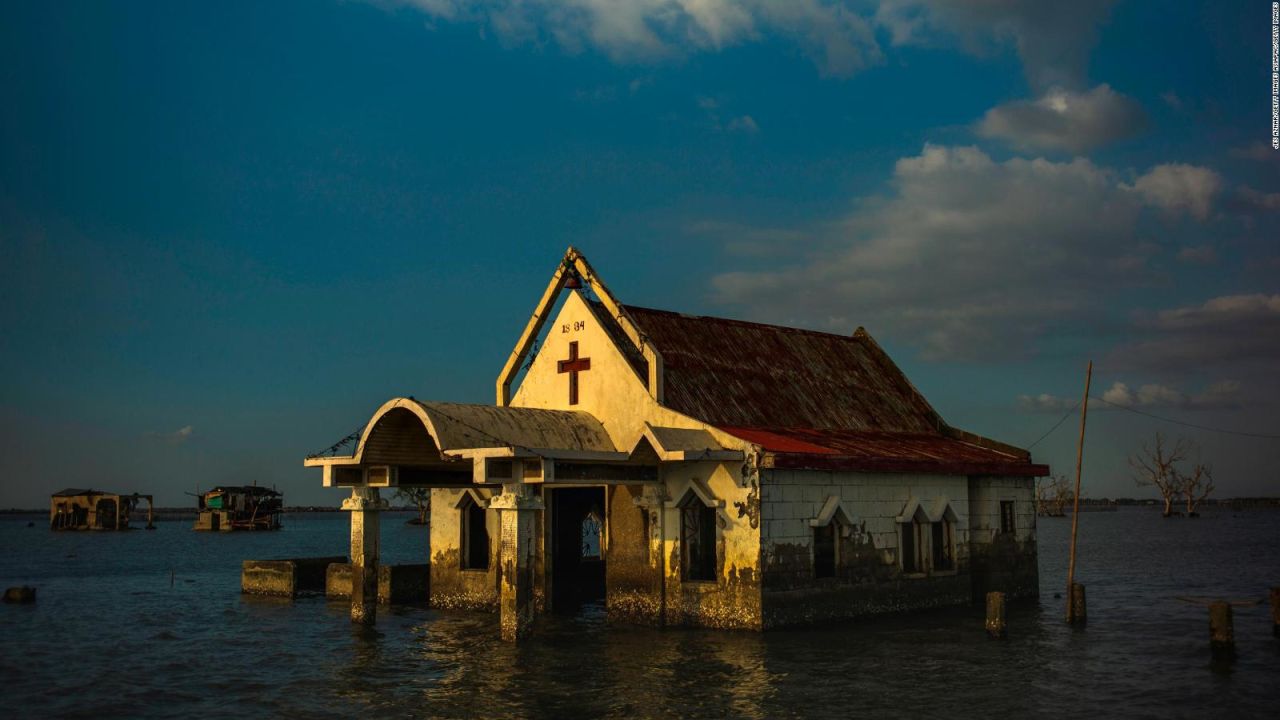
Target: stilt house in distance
{"x": 76, "y": 509}
{"x": 240, "y": 507}
{"x": 699, "y": 471}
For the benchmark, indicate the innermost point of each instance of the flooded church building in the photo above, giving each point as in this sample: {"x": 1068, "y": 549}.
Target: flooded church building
{"x": 694, "y": 471}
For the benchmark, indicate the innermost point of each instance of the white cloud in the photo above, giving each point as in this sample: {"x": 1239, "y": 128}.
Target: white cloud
{"x": 1052, "y": 38}
{"x": 1177, "y": 187}
{"x": 1259, "y": 151}
{"x": 1255, "y": 200}
{"x": 967, "y": 257}
{"x": 745, "y": 124}
{"x": 1222, "y": 394}
{"x": 1044, "y": 402}
{"x": 177, "y": 437}
{"x": 1238, "y": 331}
{"x": 1150, "y": 396}
{"x": 840, "y": 41}
{"x": 1064, "y": 120}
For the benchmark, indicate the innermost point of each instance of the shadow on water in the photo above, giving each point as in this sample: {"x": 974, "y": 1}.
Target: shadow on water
{"x": 112, "y": 630}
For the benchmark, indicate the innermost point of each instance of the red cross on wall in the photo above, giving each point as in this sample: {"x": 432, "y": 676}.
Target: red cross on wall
{"x": 573, "y": 366}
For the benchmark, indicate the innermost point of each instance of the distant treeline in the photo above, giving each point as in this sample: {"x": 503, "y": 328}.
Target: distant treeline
{"x": 1233, "y": 503}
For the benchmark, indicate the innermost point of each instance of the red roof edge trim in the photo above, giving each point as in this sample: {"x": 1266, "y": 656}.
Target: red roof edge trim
{"x": 814, "y": 461}
{"x": 985, "y": 442}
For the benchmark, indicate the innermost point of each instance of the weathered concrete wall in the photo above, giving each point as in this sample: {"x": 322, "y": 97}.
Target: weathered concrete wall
{"x": 829, "y": 599}
{"x": 453, "y": 587}
{"x": 1003, "y": 562}
{"x": 868, "y": 575}
{"x": 732, "y": 600}
{"x": 397, "y": 584}
{"x": 285, "y": 577}
{"x": 633, "y": 572}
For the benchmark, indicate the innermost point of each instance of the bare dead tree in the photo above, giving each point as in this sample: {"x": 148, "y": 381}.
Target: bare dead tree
{"x": 1157, "y": 467}
{"x": 1196, "y": 486}
{"x": 1052, "y": 496}
{"x": 1061, "y": 495}
{"x": 419, "y": 496}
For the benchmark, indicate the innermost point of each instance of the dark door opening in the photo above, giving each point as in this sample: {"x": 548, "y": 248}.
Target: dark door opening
{"x": 577, "y": 547}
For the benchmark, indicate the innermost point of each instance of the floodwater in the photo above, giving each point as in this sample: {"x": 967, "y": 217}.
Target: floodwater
{"x": 152, "y": 624}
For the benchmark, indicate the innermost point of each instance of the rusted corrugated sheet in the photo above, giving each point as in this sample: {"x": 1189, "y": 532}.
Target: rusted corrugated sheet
{"x": 813, "y": 399}
{"x": 729, "y": 372}
{"x": 882, "y": 452}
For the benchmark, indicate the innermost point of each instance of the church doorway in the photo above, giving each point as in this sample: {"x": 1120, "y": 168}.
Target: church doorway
{"x": 577, "y": 547}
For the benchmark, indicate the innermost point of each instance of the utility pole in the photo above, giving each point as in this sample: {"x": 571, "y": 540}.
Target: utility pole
{"x": 1075, "y": 512}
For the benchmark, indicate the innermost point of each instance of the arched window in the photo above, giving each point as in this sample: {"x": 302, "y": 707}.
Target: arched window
{"x": 824, "y": 550}
{"x": 475, "y": 535}
{"x": 828, "y": 528}
{"x": 697, "y": 538}
{"x": 914, "y": 547}
{"x": 944, "y": 545}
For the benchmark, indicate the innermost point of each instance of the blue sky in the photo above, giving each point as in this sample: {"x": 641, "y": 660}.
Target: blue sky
{"x": 232, "y": 230}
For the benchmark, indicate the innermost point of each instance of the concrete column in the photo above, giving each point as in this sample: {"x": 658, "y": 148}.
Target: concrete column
{"x": 995, "y": 614}
{"x": 651, "y": 501}
{"x": 364, "y": 505}
{"x": 517, "y": 508}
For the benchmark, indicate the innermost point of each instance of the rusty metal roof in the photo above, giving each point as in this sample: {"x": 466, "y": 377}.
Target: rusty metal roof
{"x": 873, "y": 451}
{"x": 730, "y": 372}
{"x": 813, "y": 399}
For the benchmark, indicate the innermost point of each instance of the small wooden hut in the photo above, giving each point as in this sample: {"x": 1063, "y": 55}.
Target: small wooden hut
{"x": 76, "y": 509}
{"x": 240, "y": 507}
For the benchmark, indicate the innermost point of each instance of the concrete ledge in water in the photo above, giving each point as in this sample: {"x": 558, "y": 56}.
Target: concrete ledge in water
{"x": 285, "y": 578}
{"x": 397, "y": 584}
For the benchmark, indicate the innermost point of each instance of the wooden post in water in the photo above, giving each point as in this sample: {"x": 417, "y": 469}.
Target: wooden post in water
{"x": 995, "y": 614}
{"x": 1077, "y": 608}
{"x": 1075, "y": 510}
{"x": 1275, "y": 611}
{"x": 1222, "y": 636}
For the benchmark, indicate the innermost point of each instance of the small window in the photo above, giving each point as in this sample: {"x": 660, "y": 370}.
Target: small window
{"x": 943, "y": 556}
{"x": 698, "y": 539}
{"x": 1007, "y": 524}
{"x": 475, "y": 536}
{"x": 913, "y": 544}
{"x": 824, "y": 551}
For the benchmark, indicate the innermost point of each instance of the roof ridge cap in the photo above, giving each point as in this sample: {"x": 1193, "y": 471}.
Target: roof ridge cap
{"x": 751, "y": 323}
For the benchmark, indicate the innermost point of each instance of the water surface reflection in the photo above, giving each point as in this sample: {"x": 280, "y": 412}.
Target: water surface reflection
{"x": 111, "y": 635}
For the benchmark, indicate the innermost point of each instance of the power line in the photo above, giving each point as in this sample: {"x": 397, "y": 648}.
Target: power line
{"x": 1061, "y": 420}
{"x": 1186, "y": 424}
